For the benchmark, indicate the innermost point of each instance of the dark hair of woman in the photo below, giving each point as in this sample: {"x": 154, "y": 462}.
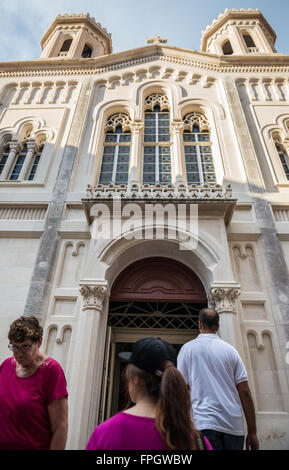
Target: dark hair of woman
{"x": 173, "y": 405}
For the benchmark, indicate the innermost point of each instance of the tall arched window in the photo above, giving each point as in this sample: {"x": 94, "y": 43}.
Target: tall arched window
{"x": 198, "y": 149}
{"x": 283, "y": 158}
{"x": 157, "y": 152}
{"x": 20, "y": 159}
{"x": 116, "y": 151}
{"x": 4, "y": 156}
{"x": 35, "y": 162}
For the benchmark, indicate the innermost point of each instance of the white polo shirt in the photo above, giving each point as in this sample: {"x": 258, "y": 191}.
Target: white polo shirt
{"x": 212, "y": 368}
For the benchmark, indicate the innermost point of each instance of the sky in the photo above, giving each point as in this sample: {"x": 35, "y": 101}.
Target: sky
{"x": 130, "y": 22}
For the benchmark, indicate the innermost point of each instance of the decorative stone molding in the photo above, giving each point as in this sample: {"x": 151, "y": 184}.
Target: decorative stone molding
{"x": 196, "y": 119}
{"x": 266, "y": 89}
{"x": 223, "y": 299}
{"x": 154, "y": 99}
{"x": 50, "y": 70}
{"x": 158, "y": 191}
{"x": 94, "y": 297}
{"x": 177, "y": 126}
{"x": 37, "y": 93}
{"x": 119, "y": 119}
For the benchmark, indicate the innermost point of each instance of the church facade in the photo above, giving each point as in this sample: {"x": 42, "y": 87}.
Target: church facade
{"x": 138, "y": 187}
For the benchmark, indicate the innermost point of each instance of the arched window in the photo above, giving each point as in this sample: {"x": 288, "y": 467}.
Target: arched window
{"x": 4, "y": 156}
{"x": 65, "y": 47}
{"x": 283, "y": 158}
{"x": 249, "y": 42}
{"x": 198, "y": 151}
{"x": 227, "y": 48}
{"x": 116, "y": 152}
{"x": 35, "y": 163}
{"x": 20, "y": 159}
{"x": 157, "y": 151}
{"x": 87, "y": 52}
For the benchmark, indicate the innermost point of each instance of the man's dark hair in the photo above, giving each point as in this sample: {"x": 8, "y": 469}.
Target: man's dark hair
{"x": 209, "y": 318}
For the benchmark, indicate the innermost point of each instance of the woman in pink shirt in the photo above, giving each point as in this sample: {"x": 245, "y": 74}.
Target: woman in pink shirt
{"x": 33, "y": 394}
{"x": 160, "y": 418}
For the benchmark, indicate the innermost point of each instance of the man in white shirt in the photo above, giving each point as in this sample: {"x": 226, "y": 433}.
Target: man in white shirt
{"x": 219, "y": 387}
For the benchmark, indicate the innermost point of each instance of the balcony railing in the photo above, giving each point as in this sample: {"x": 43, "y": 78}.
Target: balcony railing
{"x": 253, "y": 50}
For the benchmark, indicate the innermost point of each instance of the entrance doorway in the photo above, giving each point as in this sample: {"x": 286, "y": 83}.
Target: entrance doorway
{"x": 153, "y": 297}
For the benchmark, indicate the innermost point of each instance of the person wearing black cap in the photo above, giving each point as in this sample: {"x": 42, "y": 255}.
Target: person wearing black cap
{"x": 160, "y": 418}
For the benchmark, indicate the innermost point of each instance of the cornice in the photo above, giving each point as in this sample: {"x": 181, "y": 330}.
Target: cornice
{"x": 261, "y": 63}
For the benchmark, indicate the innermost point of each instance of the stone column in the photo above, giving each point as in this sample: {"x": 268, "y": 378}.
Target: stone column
{"x": 88, "y": 350}
{"x": 135, "y": 160}
{"x": 223, "y": 300}
{"x": 177, "y": 158}
{"x": 14, "y": 148}
{"x": 31, "y": 147}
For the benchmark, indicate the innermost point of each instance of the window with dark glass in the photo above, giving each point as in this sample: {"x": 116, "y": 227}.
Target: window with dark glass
{"x": 66, "y": 45}
{"x": 19, "y": 163}
{"x": 227, "y": 48}
{"x": 35, "y": 164}
{"x": 198, "y": 153}
{"x": 283, "y": 158}
{"x": 3, "y": 158}
{"x": 248, "y": 40}
{"x": 116, "y": 154}
{"x": 87, "y": 52}
{"x": 157, "y": 151}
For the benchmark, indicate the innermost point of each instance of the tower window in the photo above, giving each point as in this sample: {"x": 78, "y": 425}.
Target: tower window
{"x": 87, "y": 52}
{"x": 65, "y": 47}
{"x": 248, "y": 40}
{"x": 227, "y": 48}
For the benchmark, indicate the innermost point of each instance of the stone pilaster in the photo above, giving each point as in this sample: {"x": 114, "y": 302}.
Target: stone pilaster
{"x": 90, "y": 345}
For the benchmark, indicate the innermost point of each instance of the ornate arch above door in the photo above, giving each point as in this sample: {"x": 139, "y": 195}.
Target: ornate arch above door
{"x": 158, "y": 279}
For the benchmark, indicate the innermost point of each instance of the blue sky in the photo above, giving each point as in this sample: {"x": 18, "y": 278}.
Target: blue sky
{"x": 131, "y": 22}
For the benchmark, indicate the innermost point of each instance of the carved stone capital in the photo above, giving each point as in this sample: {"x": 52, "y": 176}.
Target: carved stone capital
{"x": 14, "y": 146}
{"x": 223, "y": 299}
{"x": 137, "y": 126}
{"x": 93, "y": 296}
{"x": 177, "y": 126}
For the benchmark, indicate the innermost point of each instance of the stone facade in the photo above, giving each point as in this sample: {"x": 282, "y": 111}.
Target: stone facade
{"x": 59, "y": 108}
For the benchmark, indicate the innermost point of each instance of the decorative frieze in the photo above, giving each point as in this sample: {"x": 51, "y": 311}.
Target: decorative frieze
{"x": 36, "y": 93}
{"x": 266, "y": 89}
{"x": 158, "y": 191}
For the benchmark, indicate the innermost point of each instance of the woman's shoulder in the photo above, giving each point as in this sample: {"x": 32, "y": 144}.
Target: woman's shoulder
{"x": 7, "y": 362}
{"x": 50, "y": 364}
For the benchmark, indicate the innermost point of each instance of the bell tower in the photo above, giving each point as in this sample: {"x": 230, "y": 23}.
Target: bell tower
{"x": 75, "y": 36}
{"x": 239, "y": 32}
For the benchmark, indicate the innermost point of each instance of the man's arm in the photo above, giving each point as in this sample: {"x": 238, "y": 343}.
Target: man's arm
{"x": 252, "y": 441}
{"x": 58, "y": 415}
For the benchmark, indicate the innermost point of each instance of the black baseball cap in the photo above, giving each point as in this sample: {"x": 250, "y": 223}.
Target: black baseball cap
{"x": 148, "y": 354}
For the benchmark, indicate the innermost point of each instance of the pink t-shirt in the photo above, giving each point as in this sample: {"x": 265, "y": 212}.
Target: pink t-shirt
{"x": 128, "y": 432}
{"x": 23, "y": 404}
